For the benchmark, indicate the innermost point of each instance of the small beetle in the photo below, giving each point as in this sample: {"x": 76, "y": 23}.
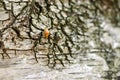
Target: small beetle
{"x": 46, "y": 33}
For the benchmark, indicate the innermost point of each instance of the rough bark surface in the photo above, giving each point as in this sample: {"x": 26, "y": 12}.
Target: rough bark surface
{"x": 59, "y": 39}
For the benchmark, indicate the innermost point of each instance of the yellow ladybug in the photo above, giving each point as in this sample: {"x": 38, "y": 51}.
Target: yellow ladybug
{"x": 46, "y": 33}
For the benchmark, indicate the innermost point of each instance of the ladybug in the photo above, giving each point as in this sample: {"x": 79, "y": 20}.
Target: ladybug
{"x": 46, "y": 33}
